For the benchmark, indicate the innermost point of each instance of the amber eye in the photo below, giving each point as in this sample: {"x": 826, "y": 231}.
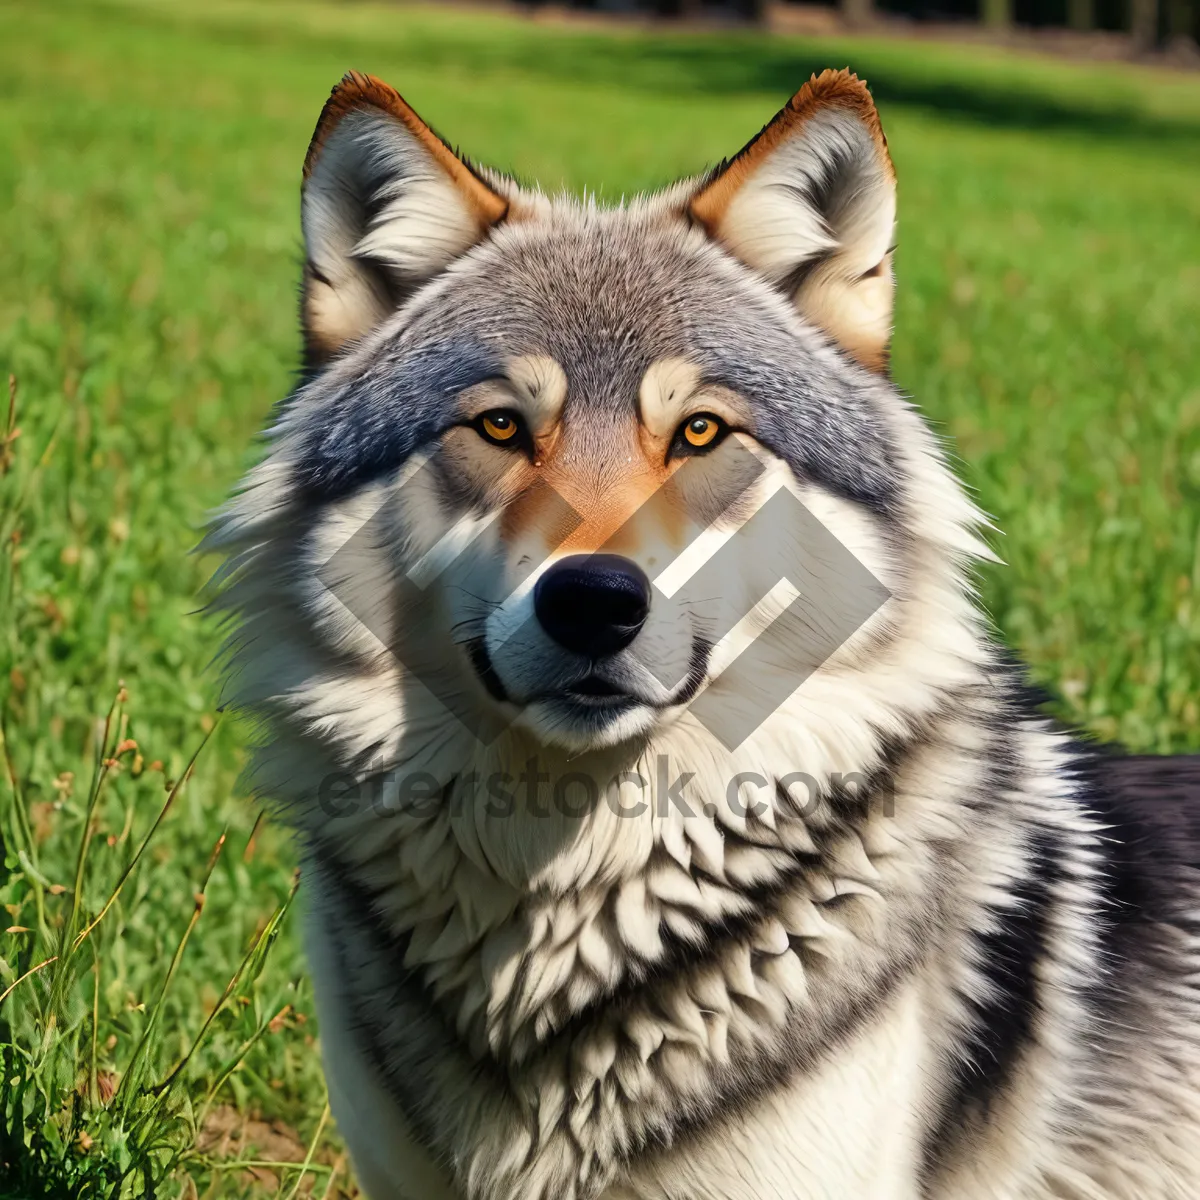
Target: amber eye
{"x": 499, "y": 427}
{"x": 700, "y": 430}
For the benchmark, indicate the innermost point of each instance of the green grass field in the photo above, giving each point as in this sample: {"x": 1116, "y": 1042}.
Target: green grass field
{"x": 150, "y": 155}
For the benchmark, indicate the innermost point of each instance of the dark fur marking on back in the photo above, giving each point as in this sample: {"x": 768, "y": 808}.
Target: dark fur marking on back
{"x": 1007, "y": 954}
{"x": 1150, "y": 808}
{"x": 1003, "y": 1019}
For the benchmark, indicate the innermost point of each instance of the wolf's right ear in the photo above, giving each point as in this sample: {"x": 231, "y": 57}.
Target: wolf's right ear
{"x": 386, "y": 205}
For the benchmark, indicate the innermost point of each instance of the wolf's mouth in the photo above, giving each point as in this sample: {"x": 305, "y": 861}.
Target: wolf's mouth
{"x": 593, "y": 687}
{"x": 592, "y": 691}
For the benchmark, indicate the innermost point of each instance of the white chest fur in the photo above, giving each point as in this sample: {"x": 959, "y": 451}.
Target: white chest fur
{"x": 846, "y": 1131}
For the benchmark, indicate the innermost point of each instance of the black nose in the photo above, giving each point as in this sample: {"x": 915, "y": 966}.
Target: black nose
{"x": 593, "y": 604}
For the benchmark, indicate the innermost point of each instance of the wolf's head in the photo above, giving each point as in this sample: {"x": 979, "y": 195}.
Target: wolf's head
{"x": 565, "y": 477}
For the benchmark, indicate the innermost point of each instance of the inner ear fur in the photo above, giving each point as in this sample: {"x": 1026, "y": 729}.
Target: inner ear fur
{"x": 385, "y": 206}
{"x": 810, "y": 203}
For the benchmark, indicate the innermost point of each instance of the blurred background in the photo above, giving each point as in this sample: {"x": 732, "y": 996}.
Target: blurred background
{"x": 1145, "y": 26}
{"x": 156, "y": 1028}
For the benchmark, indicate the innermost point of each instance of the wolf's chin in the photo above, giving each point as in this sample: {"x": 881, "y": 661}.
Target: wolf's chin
{"x": 570, "y": 725}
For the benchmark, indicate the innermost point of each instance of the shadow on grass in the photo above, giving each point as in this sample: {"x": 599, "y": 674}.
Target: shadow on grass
{"x": 996, "y": 92}
{"x": 748, "y": 64}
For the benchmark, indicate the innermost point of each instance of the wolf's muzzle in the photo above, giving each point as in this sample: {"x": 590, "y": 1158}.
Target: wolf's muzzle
{"x": 593, "y": 604}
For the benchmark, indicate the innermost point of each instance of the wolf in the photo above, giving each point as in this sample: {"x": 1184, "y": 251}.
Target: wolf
{"x": 673, "y": 824}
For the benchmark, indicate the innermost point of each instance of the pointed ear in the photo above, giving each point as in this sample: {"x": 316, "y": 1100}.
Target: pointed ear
{"x": 386, "y": 205}
{"x": 811, "y": 204}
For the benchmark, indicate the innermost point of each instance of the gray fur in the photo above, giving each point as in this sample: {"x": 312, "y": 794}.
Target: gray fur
{"x": 604, "y": 294}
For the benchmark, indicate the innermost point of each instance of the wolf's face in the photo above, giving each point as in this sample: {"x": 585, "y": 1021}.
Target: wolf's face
{"x": 558, "y": 469}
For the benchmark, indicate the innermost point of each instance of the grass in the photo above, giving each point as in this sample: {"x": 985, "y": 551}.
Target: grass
{"x": 155, "y": 1032}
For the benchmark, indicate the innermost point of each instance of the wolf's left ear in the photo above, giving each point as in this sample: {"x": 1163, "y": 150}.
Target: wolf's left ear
{"x": 386, "y": 205}
{"x": 811, "y": 204}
